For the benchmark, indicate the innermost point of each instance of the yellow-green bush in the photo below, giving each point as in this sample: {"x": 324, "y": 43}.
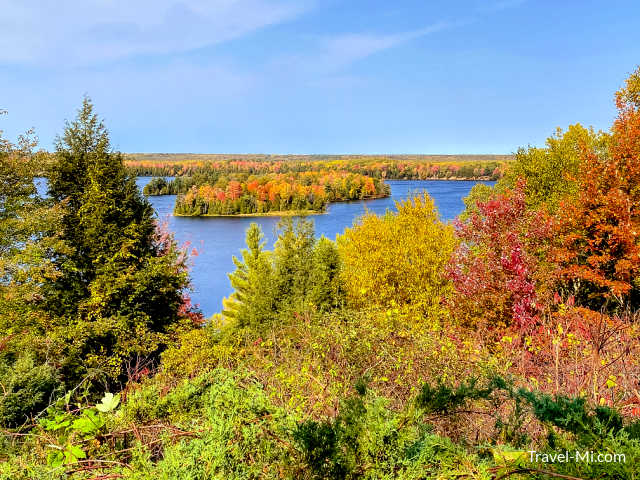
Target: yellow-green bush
{"x": 397, "y": 260}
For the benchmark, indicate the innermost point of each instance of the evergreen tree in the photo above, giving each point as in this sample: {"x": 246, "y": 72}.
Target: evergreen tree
{"x": 326, "y": 290}
{"x": 121, "y": 283}
{"x": 293, "y": 259}
{"x": 253, "y": 303}
{"x": 104, "y": 212}
{"x": 300, "y": 273}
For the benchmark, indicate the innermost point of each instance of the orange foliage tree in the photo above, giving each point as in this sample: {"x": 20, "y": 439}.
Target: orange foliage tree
{"x": 598, "y": 247}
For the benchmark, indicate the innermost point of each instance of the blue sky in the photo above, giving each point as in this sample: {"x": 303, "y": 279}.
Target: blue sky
{"x": 316, "y": 76}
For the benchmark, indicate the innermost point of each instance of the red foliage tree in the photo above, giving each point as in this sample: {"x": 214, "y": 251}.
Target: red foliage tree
{"x": 497, "y": 268}
{"x": 234, "y": 190}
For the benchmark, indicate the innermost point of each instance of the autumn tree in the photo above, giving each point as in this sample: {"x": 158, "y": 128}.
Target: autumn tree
{"x": 480, "y": 192}
{"x": 498, "y": 268}
{"x": 551, "y": 173}
{"x": 27, "y": 234}
{"x": 27, "y": 225}
{"x": 599, "y": 231}
{"x": 398, "y": 259}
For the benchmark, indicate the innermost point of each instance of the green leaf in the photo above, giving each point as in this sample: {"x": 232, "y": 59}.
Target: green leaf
{"x": 55, "y": 459}
{"x": 56, "y": 424}
{"x": 513, "y": 458}
{"x": 84, "y": 425}
{"x": 94, "y": 417}
{"x": 88, "y": 423}
{"x": 72, "y": 453}
{"x": 109, "y": 402}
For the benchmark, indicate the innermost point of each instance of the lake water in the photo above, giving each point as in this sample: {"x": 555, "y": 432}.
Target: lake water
{"x": 217, "y": 239}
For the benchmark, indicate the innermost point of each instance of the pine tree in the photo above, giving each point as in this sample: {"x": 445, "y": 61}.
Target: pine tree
{"x": 299, "y": 274}
{"x": 253, "y": 302}
{"x": 121, "y": 283}
{"x": 293, "y": 256}
{"x": 326, "y": 290}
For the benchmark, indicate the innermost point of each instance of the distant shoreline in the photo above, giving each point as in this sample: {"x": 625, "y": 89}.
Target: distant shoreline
{"x": 431, "y": 158}
{"x": 277, "y": 213}
{"x": 450, "y": 179}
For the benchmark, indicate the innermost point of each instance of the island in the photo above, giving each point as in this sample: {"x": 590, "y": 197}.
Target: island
{"x": 294, "y": 193}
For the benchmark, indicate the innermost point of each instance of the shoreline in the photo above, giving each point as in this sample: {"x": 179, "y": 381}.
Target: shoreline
{"x": 450, "y": 179}
{"x": 276, "y": 213}
{"x": 280, "y": 213}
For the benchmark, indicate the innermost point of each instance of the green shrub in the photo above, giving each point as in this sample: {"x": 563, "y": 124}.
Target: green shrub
{"x": 238, "y": 434}
{"x": 368, "y": 440}
{"x": 28, "y": 388}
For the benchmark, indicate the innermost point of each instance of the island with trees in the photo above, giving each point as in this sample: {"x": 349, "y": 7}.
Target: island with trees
{"x": 304, "y": 192}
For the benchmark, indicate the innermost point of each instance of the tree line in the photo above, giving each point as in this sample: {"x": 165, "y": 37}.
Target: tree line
{"x": 381, "y": 168}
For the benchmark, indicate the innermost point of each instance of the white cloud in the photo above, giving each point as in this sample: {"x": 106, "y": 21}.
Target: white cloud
{"x": 322, "y": 62}
{"x": 89, "y": 31}
{"x": 325, "y": 62}
{"x": 342, "y": 50}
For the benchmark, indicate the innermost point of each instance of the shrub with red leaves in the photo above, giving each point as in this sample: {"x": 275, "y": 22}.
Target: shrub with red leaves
{"x": 497, "y": 268}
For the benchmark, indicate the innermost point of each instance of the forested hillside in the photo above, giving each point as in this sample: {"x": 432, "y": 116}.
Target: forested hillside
{"x": 407, "y": 349}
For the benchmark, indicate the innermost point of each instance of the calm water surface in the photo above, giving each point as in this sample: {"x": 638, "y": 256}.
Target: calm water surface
{"x": 217, "y": 239}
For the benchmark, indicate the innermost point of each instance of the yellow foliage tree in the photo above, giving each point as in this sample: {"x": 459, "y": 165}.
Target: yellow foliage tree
{"x": 397, "y": 260}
